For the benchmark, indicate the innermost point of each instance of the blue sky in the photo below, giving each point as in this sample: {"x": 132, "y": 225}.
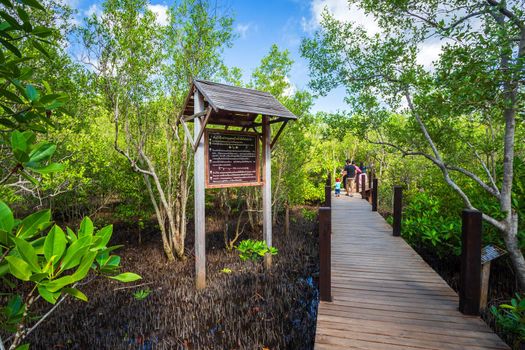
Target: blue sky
{"x": 283, "y": 22}
{"x": 259, "y": 24}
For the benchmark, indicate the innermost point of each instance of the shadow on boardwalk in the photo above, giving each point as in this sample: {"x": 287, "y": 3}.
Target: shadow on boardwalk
{"x": 385, "y": 296}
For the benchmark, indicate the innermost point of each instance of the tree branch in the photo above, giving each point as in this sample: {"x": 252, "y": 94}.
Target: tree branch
{"x": 474, "y": 177}
{"x": 507, "y": 13}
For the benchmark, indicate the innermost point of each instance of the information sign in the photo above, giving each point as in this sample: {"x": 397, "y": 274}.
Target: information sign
{"x": 232, "y": 158}
{"x": 491, "y": 252}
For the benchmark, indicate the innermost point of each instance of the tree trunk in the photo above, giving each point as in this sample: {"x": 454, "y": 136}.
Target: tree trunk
{"x": 512, "y": 245}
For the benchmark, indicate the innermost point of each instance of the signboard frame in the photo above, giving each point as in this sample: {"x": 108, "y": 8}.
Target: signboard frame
{"x": 259, "y": 182}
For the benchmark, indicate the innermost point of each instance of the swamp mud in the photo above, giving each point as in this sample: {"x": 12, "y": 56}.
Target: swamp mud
{"x": 242, "y": 307}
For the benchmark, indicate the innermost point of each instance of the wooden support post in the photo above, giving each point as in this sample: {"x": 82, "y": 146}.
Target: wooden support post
{"x": 200, "y": 228}
{"x": 375, "y": 183}
{"x": 398, "y": 205}
{"x": 325, "y": 253}
{"x": 357, "y": 184}
{"x": 485, "y": 278}
{"x": 267, "y": 188}
{"x": 327, "y": 195}
{"x": 363, "y": 186}
{"x": 470, "y": 274}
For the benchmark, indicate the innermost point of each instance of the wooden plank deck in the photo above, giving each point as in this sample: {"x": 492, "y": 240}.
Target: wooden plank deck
{"x": 385, "y": 296}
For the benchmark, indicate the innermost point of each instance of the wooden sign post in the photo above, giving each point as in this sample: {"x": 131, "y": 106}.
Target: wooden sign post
{"x": 198, "y": 176}
{"x": 267, "y": 188}
{"x": 230, "y": 158}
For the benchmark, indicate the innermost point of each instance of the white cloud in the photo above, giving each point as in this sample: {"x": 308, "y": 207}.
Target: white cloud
{"x": 291, "y": 89}
{"x": 342, "y": 11}
{"x": 71, "y": 3}
{"x": 161, "y": 12}
{"x": 244, "y": 29}
{"x": 428, "y": 53}
{"x": 94, "y": 9}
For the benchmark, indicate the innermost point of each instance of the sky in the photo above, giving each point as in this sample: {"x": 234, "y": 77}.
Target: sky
{"x": 259, "y": 24}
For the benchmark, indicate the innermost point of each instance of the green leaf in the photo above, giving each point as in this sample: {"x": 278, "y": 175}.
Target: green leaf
{"x": 7, "y": 221}
{"x": 59, "y": 283}
{"x": 4, "y": 268}
{"x": 75, "y": 252}
{"x": 76, "y": 293}
{"x": 27, "y": 252}
{"x": 55, "y": 243}
{"x": 33, "y": 3}
{"x": 71, "y": 235}
{"x": 23, "y": 347}
{"x": 85, "y": 266}
{"x": 113, "y": 261}
{"x": 43, "y": 151}
{"x": 51, "y": 168}
{"x": 42, "y": 31}
{"x": 126, "y": 277}
{"x": 37, "y": 277}
{"x": 32, "y": 93}
{"x": 86, "y": 227}
{"x": 34, "y": 224}
{"x": 40, "y": 48}
{"x": 49, "y": 98}
{"x": 12, "y": 97}
{"x": 12, "y": 21}
{"x": 18, "y": 141}
{"x": 18, "y": 268}
{"x": 105, "y": 235}
{"x": 49, "y": 296}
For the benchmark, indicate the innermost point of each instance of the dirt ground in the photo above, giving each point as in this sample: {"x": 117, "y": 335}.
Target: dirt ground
{"x": 248, "y": 308}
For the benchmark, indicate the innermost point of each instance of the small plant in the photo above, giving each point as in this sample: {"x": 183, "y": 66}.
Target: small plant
{"x": 511, "y": 317}
{"x": 142, "y": 294}
{"x": 226, "y": 270}
{"x": 254, "y": 250}
{"x": 308, "y": 214}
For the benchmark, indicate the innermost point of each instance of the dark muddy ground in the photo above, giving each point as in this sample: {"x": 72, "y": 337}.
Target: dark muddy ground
{"x": 245, "y": 309}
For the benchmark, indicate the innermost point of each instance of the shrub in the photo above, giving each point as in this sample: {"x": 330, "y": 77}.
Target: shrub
{"x": 254, "y": 250}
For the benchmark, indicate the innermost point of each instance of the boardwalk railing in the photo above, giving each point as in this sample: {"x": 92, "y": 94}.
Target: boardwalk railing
{"x": 325, "y": 253}
{"x": 378, "y": 293}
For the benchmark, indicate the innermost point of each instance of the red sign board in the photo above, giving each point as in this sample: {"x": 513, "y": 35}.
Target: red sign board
{"x": 232, "y": 158}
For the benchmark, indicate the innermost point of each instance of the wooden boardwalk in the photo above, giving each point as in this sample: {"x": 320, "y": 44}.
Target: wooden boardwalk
{"x": 385, "y": 296}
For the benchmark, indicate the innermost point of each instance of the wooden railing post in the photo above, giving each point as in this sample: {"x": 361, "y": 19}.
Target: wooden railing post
{"x": 325, "y": 254}
{"x": 357, "y": 184}
{"x": 470, "y": 274}
{"x": 363, "y": 186}
{"x": 328, "y": 192}
{"x": 398, "y": 205}
{"x": 375, "y": 183}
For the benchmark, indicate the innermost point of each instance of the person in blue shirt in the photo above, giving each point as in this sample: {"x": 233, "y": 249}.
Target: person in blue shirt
{"x": 337, "y": 187}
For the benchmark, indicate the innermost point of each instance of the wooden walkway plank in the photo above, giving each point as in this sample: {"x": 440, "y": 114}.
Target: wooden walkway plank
{"x": 385, "y": 296}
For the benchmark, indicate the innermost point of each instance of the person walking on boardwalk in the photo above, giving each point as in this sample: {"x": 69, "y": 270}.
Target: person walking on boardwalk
{"x": 349, "y": 175}
{"x": 337, "y": 187}
{"x": 358, "y": 172}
